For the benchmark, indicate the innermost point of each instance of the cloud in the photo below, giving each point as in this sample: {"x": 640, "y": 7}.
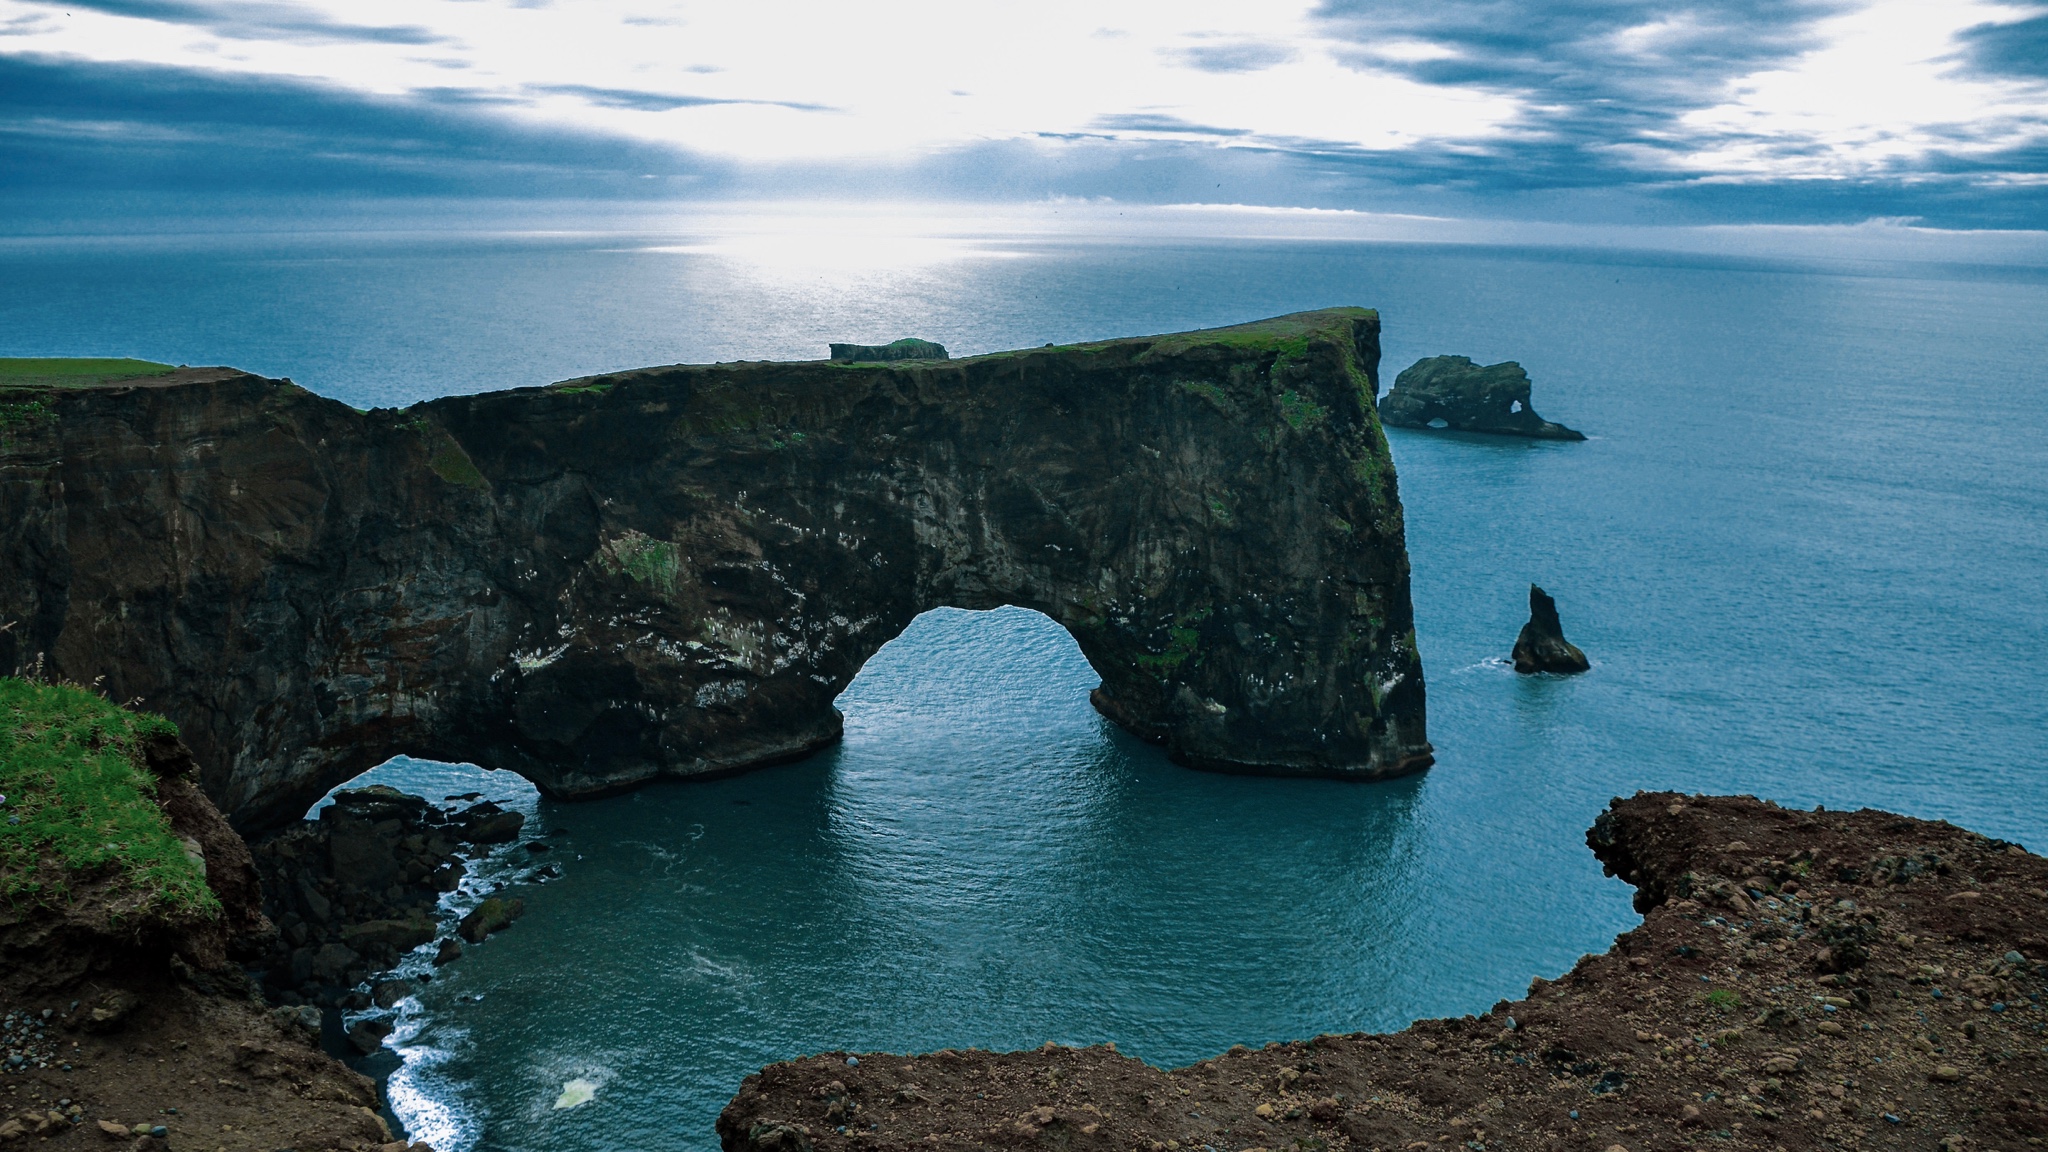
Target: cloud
{"x": 1571, "y": 109}
{"x": 1152, "y": 122}
{"x": 640, "y": 101}
{"x": 2019, "y": 48}
{"x": 257, "y": 20}
{"x": 1239, "y": 56}
{"x": 72, "y": 127}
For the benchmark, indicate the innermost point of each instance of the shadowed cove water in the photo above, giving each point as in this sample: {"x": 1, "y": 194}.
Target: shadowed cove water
{"x": 1806, "y": 549}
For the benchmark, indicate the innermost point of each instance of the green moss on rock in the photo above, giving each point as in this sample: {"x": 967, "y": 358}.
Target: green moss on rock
{"x": 1300, "y": 412}
{"x": 452, "y": 464}
{"x": 652, "y": 562}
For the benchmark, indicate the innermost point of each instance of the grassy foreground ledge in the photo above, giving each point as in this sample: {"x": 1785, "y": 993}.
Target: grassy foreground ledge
{"x": 81, "y": 803}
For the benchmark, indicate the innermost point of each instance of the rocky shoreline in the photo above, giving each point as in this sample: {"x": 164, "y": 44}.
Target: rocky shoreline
{"x": 356, "y": 889}
{"x": 1800, "y": 980}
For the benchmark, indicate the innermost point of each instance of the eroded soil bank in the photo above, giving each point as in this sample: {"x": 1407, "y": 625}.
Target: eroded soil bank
{"x": 1800, "y": 980}
{"x": 129, "y": 907}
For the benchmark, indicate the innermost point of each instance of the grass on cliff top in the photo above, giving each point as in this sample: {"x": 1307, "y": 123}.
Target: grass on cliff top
{"x": 81, "y": 804}
{"x": 67, "y": 372}
{"x": 1289, "y": 333}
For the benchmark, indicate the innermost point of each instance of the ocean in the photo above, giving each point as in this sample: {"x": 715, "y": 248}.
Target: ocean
{"x": 1805, "y": 547}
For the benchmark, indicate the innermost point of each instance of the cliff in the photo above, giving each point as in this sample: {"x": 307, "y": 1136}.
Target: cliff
{"x": 673, "y": 571}
{"x": 1800, "y": 980}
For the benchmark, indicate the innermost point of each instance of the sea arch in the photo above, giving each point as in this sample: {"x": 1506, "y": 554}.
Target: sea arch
{"x": 673, "y": 571}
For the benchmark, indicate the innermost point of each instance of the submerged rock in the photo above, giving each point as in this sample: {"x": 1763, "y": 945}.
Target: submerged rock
{"x": 1469, "y": 398}
{"x": 1542, "y": 647}
{"x": 905, "y": 349}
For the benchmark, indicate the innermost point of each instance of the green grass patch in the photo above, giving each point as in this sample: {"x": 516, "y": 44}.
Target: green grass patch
{"x": 68, "y": 372}
{"x": 583, "y": 388}
{"x": 1210, "y": 392}
{"x": 1721, "y": 1000}
{"x": 1288, "y": 336}
{"x": 20, "y": 417}
{"x": 81, "y": 804}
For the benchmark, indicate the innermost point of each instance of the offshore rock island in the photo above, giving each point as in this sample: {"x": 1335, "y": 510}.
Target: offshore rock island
{"x": 674, "y": 571}
{"x": 1453, "y": 392}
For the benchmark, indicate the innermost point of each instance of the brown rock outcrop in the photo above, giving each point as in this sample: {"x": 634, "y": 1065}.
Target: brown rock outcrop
{"x": 1800, "y": 980}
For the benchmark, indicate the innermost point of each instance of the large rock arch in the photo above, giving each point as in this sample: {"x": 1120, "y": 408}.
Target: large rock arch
{"x": 674, "y": 571}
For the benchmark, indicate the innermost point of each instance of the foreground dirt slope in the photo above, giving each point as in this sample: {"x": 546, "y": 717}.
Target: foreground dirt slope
{"x": 1800, "y": 980}
{"x": 214, "y": 1068}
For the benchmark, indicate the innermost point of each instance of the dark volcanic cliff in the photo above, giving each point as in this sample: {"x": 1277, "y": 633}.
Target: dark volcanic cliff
{"x": 674, "y": 571}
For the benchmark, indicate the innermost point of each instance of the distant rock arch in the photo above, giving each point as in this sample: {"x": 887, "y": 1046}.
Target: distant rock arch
{"x": 673, "y": 571}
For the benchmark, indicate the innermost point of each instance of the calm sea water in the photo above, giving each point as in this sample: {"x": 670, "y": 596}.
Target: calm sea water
{"x": 1806, "y": 549}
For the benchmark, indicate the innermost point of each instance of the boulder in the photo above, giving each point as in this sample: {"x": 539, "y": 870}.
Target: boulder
{"x": 1469, "y": 398}
{"x": 332, "y": 962}
{"x": 398, "y": 935}
{"x": 486, "y": 823}
{"x": 368, "y": 1035}
{"x": 492, "y": 915}
{"x": 360, "y": 857}
{"x": 380, "y": 802}
{"x": 111, "y": 1011}
{"x": 1542, "y": 647}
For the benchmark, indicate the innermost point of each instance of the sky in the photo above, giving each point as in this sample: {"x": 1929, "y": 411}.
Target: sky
{"x": 1719, "y": 112}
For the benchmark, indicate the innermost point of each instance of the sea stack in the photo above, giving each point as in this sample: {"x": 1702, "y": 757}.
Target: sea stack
{"x": 1468, "y": 398}
{"x": 1542, "y": 647}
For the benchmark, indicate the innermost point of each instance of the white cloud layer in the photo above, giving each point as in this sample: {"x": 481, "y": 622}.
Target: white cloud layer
{"x": 1568, "y": 92}
{"x": 792, "y": 80}
{"x": 1885, "y": 87}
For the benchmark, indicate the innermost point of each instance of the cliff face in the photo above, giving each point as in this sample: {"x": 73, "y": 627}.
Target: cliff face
{"x": 674, "y": 571}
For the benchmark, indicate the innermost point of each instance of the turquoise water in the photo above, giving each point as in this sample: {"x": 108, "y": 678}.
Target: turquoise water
{"x": 1806, "y": 549}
